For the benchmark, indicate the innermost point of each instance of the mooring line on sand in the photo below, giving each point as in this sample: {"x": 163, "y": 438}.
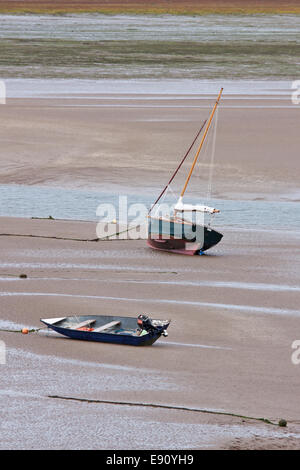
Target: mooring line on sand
{"x": 105, "y": 238}
{"x": 49, "y": 237}
{"x": 31, "y": 330}
{"x": 166, "y": 407}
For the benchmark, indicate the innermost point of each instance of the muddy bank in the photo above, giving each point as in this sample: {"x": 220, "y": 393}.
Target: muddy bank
{"x": 122, "y": 142}
{"x": 234, "y": 317}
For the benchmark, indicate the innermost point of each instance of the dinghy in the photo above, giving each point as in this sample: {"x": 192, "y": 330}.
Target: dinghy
{"x": 140, "y": 331}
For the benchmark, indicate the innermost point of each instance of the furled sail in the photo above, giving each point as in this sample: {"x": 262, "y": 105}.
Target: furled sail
{"x": 181, "y": 207}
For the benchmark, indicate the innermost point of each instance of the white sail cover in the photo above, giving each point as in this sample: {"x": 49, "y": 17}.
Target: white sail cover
{"x": 181, "y": 207}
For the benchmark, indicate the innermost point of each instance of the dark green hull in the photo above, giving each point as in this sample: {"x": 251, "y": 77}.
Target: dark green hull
{"x": 181, "y": 237}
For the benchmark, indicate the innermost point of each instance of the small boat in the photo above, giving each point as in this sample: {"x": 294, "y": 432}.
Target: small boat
{"x": 140, "y": 331}
{"x": 183, "y": 230}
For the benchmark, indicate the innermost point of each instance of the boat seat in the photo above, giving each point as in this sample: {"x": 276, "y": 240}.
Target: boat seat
{"x": 82, "y": 324}
{"x": 106, "y": 326}
{"x": 53, "y": 321}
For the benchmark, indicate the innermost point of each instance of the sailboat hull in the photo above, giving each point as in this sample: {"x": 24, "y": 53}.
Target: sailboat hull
{"x": 181, "y": 237}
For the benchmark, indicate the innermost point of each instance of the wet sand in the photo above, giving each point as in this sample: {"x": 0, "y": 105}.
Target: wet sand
{"x": 133, "y": 142}
{"x": 234, "y": 311}
{"x": 234, "y": 317}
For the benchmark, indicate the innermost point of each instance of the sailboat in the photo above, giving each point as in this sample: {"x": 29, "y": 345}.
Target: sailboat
{"x": 183, "y": 230}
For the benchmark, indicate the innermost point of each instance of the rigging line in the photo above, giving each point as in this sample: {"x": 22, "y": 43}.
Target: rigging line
{"x": 178, "y": 168}
{"x": 212, "y": 161}
{"x": 171, "y": 190}
{"x": 161, "y": 201}
{"x": 201, "y": 144}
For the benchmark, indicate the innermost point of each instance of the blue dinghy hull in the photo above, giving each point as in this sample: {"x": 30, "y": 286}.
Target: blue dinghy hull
{"x": 119, "y": 330}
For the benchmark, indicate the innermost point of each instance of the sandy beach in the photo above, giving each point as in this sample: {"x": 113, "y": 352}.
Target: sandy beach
{"x": 130, "y": 141}
{"x": 234, "y": 311}
{"x": 234, "y": 317}
{"x": 106, "y": 106}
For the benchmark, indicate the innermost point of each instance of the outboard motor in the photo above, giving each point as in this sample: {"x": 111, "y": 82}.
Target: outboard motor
{"x": 152, "y": 326}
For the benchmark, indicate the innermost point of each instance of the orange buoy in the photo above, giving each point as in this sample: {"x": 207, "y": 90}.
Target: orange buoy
{"x": 25, "y": 331}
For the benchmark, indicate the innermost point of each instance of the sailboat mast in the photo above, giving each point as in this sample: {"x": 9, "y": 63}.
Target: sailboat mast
{"x": 201, "y": 144}
{"x": 178, "y": 168}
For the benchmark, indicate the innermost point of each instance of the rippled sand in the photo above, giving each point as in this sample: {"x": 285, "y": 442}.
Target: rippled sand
{"x": 127, "y": 143}
{"x": 154, "y": 47}
{"x": 234, "y": 311}
{"x": 234, "y": 317}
